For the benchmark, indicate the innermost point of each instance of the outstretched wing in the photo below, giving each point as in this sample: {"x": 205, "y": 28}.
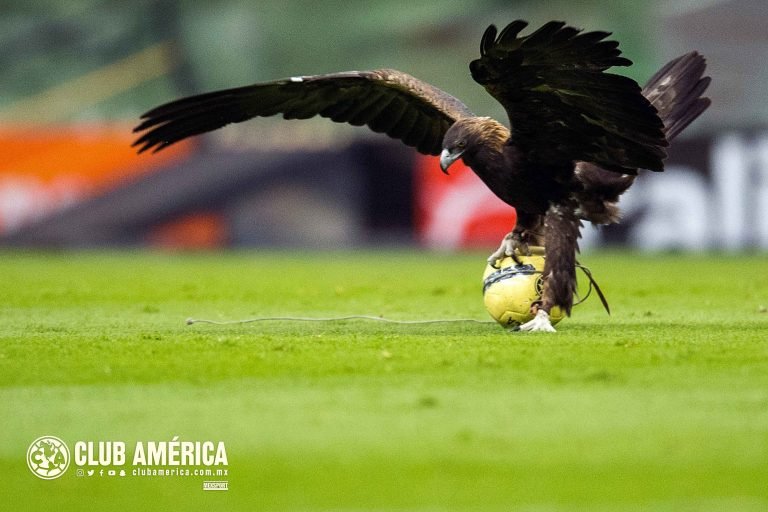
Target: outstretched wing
{"x": 385, "y": 100}
{"x": 561, "y": 103}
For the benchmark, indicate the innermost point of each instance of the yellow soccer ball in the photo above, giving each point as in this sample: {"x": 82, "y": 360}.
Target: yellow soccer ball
{"x": 510, "y": 289}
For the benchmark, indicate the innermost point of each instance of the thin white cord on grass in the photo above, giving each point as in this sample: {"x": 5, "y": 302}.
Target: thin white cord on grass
{"x": 191, "y": 321}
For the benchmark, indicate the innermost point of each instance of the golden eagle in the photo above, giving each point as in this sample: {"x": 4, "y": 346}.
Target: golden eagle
{"x": 578, "y": 134}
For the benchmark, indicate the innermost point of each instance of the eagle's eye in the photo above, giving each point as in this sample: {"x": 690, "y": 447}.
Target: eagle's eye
{"x": 461, "y": 144}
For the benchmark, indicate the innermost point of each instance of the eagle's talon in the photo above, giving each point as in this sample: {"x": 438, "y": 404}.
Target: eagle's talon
{"x": 540, "y": 323}
{"x": 511, "y": 245}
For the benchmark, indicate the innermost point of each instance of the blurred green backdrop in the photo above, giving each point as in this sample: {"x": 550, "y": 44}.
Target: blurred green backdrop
{"x": 224, "y": 43}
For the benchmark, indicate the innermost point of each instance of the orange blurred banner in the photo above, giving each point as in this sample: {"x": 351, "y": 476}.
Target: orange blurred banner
{"x": 46, "y": 168}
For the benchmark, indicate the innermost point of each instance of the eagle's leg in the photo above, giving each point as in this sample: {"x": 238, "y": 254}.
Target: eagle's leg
{"x": 525, "y": 233}
{"x": 561, "y": 234}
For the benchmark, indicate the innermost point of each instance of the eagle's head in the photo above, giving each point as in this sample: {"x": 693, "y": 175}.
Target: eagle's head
{"x": 467, "y": 136}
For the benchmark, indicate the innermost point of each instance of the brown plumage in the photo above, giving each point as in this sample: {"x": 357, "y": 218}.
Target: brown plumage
{"x": 578, "y": 134}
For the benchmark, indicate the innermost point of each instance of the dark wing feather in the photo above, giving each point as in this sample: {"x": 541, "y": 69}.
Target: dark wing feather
{"x": 561, "y": 103}
{"x": 385, "y": 100}
{"x": 675, "y": 91}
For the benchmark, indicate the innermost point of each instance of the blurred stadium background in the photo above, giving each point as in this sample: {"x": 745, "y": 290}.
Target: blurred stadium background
{"x": 76, "y": 74}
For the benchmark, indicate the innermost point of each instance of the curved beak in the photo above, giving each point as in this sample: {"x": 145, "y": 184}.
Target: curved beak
{"x": 447, "y": 158}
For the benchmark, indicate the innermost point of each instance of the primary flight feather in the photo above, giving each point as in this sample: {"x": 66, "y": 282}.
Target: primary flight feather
{"x": 577, "y": 134}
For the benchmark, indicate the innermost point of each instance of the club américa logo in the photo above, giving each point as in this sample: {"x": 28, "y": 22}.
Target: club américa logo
{"x": 48, "y": 457}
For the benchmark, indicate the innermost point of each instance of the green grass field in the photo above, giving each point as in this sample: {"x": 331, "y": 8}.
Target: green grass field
{"x": 662, "y": 406}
